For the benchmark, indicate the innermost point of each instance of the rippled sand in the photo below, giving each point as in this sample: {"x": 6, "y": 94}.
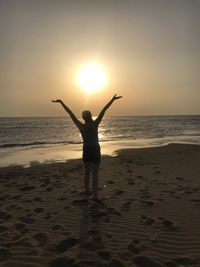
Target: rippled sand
{"x": 148, "y": 215}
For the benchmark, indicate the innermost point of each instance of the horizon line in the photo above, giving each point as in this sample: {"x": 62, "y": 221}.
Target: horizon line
{"x": 161, "y": 115}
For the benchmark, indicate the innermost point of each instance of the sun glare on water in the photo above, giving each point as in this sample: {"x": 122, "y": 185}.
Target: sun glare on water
{"x": 92, "y": 78}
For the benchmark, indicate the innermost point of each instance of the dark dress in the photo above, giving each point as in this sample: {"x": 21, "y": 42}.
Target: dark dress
{"x": 91, "y": 147}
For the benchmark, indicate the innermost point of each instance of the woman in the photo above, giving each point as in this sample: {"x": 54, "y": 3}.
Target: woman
{"x": 91, "y": 147}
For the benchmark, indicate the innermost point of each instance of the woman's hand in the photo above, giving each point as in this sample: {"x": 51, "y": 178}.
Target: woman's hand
{"x": 57, "y": 101}
{"x": 115, "y": 97}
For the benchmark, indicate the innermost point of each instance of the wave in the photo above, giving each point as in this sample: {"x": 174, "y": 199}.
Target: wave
{"x": 111, "y": 138}
{"x": 31, "y": 144}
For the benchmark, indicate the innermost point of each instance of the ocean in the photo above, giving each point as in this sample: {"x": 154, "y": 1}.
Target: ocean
{"x": 21, "y": 134}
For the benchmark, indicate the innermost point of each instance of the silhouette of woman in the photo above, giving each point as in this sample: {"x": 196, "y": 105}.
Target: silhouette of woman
{"x": 91, "y": 147}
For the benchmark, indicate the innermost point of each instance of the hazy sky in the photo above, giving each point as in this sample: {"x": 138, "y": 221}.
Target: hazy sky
{"x": 149, "y": 48}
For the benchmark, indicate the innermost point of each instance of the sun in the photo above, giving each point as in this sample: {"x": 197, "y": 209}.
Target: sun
{"x": 92, "y": 78}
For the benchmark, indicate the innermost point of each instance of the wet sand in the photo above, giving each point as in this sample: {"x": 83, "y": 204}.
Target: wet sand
{"x": 149, "y": 215}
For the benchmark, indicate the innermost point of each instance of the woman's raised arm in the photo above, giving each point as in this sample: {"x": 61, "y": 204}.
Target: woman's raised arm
{"x": 73, "y": 117}
{"x": 101, "y": 114}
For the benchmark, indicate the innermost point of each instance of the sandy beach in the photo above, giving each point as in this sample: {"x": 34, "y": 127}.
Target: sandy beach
{"x": 148, "y": 217}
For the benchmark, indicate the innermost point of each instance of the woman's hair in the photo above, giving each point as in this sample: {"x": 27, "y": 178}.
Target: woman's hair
{"x": 87, "y": 116}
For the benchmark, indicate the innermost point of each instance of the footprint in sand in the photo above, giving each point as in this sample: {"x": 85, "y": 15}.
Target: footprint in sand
{"x": 3, "y": 198}
{"x": 62, "y": 198}
{"x": 153, "y": 237}
{"x": 38, "y": 210}
{"x": 5, "y": 215}
{"x": 180, "y": 178}
{"x": 147, "y": 220}
{"x": 104, "y": 255}
{"x": 126, "y": 206}
{"x": 119, "y": 192}
{"x": 66, "y": 244}
{"x": 144, "y": 261}
{"x": 135, "y": 247}
{"x": 27, "y": 188}
{"x": 38, "y": 199}
{"x": 27, "y": 200}
{"x": 110, "y": 182}
{"x": 62, "y": 262}
{"x": 20, "y": 226}
{"x": 49, "y": 189}
{"x": 4, "y": 253}
{"x": 3, "y": 229}
{"x": 25, "y": 242}
{"x": 147, "y": 202}
{"x": 58, "y": 227}
{"x": 168, "y": 225}
{"x": 16, "y": 197}
{"x": 130, "y": 181}
{"x": 27, "y": 220}
{"x": 115, "y": 263}
{"x": 197, "y": 200}
{"x": 89, "y": 246}
{"x": 41, "y": 238}
{"x": 116, "y": 212}
{"x": 79, "y": 202}
{"x": 48, "y": 216}
{"x": 185, "y": 261}
{"x": 68, "y": 208}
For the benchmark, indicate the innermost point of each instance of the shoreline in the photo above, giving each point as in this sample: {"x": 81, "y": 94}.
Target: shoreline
{"x": 63, "y": 153}
{"x": 150, "y": 197}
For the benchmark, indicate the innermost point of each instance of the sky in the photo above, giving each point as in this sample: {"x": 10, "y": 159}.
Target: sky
{"x": 149, "y": 50}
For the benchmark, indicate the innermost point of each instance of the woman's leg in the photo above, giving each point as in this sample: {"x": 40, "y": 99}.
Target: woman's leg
{"x": 87, "y": 167}
{"x": 95, "y": 179}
